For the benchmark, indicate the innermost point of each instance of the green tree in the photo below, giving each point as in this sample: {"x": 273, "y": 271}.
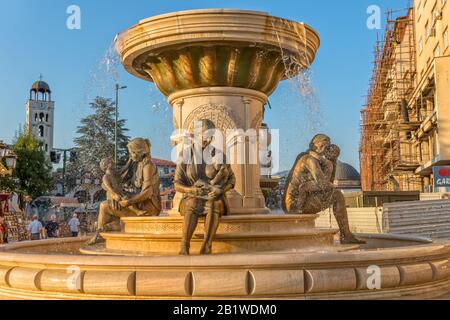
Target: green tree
{"x": 95, "y": 141}
{"x": 32, "y": 174}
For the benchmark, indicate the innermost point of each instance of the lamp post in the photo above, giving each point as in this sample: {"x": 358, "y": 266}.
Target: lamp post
{"x": 118, "y": 87}
{"x": 56, "y": 160}
{"x": 2, "y": 149}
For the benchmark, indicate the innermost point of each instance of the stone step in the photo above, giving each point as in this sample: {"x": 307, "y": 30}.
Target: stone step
{"x": 437, "y": 234}
{"x": 425, "y": 227}
{"x": 228, "y": 224}
{"x": 417, "y": 204}
{"x": 414, "y": 221}
{"x": 169, "y": 243}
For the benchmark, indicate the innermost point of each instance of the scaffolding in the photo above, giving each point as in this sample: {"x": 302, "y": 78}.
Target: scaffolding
{"x": 387, "y": 155}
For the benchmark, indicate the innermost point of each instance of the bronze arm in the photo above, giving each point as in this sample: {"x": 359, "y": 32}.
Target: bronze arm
{"x": 230, "y": 183}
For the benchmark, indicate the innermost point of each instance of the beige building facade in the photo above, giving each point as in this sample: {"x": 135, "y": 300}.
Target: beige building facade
{"x": 431, "y": 99}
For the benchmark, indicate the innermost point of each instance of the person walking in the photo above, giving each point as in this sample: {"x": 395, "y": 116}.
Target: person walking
{"x": 35, "y": 228}
{"x": 74, "y": 225}
{"x": 52, "y": 227}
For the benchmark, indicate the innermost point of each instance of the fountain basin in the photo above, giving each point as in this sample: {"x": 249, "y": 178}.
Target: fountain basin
{"x": 417, "y": 269}
{"x": 217, "y": 47}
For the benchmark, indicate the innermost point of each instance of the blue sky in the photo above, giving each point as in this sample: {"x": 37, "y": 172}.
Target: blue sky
{"x": 34, "y": 40}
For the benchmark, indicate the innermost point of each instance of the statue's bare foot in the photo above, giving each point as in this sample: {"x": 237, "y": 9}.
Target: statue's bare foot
{"x": 351, "y": 239}
{"x": 96, "y": 239}
{"x": 205, "y": 250}
{"x": 184, "y": 251}
{"x": 141, "y": 213}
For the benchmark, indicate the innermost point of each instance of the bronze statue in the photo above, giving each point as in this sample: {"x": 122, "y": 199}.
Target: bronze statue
{"x": 310, "y": 188}
{"x": 204, "y": 187}
{"x": 132, "y": 191}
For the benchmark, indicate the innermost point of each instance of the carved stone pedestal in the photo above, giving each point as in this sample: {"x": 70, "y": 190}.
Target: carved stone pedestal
{"x": 237, "y": 113}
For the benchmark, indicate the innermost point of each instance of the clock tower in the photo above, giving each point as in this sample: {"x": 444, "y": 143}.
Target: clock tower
{"x": 40, "y": 114}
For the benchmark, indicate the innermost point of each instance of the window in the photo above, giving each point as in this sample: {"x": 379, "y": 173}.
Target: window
{"x": 41, "y": 117}
{"x": 46, "y": 118}
{"x": 428, "y": 29}
{"x": 436, "y": 12}
{"x": 437, "y": 51}
{"x": 41, "y": 131}
{"x": 46, "y": 147}
{"x": 445, "y": 36}
{"x": 420, "y": 45}
{"x": 419, "y": 10}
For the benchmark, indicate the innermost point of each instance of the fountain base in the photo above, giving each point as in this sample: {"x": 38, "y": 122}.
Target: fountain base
{"x": 236, "y": 234}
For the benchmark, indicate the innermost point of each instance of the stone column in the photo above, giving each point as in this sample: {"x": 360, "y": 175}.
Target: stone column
{"x": 231, "y": 110}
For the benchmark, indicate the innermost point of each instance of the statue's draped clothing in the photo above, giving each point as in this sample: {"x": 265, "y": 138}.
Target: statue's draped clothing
{"x": 142, "y": 177}
{"x": 188, "y": 174}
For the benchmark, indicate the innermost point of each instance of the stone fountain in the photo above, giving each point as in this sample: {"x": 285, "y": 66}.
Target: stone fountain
{"x": 222, "y": 65}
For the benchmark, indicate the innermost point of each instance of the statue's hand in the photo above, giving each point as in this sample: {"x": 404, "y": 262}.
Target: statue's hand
{"x": 125, "y": 203}
{"x": 195, "y": 191}
{"x": 116, "y": 205}
{"x": 116, "y": 197}
{"x": 215, "y": 192}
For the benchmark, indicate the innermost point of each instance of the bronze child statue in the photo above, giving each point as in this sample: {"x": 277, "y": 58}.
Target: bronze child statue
{"x": 111, "y": 183}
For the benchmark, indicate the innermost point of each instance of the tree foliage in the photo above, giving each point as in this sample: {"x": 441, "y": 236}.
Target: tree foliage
{"x": 32, "y": 175}
{"x": 95, "y": 141}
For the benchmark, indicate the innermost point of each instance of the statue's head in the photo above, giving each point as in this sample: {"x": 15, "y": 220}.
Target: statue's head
{"x": 106, "y": 164}
{"x": 207, "y": 131}
{"x": 139, "y": 148}
{"x": 332, "y": 152}
{"x": 320, "y": 143}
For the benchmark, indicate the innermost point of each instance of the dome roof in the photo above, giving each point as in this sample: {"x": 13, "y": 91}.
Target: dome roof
{"x": 40, "y": 86}
{"x": 344, "y": 171}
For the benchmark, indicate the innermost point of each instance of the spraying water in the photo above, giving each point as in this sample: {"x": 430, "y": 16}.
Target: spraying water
{"x": 296, "y": 99}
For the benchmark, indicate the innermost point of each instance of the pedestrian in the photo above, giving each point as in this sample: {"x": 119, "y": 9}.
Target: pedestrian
{"x": 3, "y": 231}
{"x": 74, "y": 225}
{"x": 35, "y": 228}
{"x": 52, "y": 227}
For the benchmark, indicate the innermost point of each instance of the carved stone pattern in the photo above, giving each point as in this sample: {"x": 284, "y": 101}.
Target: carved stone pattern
{"x": 219, "y": 114}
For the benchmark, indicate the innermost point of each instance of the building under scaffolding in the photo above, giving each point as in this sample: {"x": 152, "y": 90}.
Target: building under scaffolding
{"x": 388, "y": 159}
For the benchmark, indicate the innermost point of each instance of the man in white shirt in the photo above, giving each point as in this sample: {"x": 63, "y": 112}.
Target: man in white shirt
{"x": 74, "y": 225}
{"x": 35, "y": 228}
